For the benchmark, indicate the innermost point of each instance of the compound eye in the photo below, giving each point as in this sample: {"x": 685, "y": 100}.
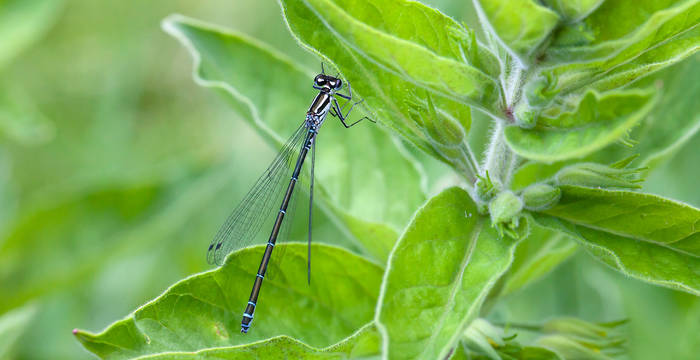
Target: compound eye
{"x": 320, "y": 80}
{"x": 338, "y": 84}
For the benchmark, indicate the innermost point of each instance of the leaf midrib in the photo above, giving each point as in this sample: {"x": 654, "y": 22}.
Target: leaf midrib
{"x": 476, "y": 232}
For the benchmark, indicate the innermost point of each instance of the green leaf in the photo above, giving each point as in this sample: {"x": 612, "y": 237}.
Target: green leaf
{"x": 642, "y": 235}
{"x": 537, "y": 255}
{"x": 622, "y": 41}
{"x": 12, "y": 326}
{"x": 594, "y": 122}
{"x": 352, "y": 164}
{"x": 22, "y": 22}
{"x": 573, "y": 10}
{"x": 204, "y": 310}
{"x": 439, "y": 274}
{"x": 522, "y": 25}
{"x": 391, "y": 62}
{"x": 364, "y": 344}
{"x": 641, "y": 216}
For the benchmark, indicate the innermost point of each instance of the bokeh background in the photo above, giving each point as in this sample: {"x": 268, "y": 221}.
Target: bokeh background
{"x": 116, "y": 170}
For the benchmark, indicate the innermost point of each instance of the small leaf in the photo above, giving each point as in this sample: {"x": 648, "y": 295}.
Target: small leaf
{"x": 204, "y": 311}
{"x": 595, "y": 122}
{"x": 439, "y": 274}
{"x": 644, "y": 236}
{"x": 369, "y": 204}
{"x": 391, "y": 62}
{"x": 522, "y": 25}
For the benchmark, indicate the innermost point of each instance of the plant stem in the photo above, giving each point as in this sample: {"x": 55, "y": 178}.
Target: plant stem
{"x": 494, "y": 159}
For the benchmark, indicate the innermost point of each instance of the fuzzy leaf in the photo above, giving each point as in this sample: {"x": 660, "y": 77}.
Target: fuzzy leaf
{"x": 522, "y": 25}
{"x": 642, "y": 235}
{"x": 204, "y": 310}
{"x": 392, "y": 52}
{"x": 439, "y": 274}
{"x": 369, "y": 204}
{"x": 622, "y": 41}
{"x": 576, "y": 131}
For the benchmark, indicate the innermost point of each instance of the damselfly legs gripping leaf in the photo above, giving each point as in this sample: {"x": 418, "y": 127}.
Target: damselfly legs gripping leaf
{"x": 243, "y": 224}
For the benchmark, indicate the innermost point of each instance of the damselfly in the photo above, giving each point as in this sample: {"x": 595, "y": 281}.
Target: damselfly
{"x": 244, "y": 223}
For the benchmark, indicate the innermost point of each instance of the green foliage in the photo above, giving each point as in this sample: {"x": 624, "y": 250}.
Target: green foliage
{"x": 644, "y": 236}
{"x": 438, "y": 275}
{"x": 449, "y": 228}
{"x": 389, "y": 64}
{"x": 595, "y": 122}
{"x": 330, "y": 309}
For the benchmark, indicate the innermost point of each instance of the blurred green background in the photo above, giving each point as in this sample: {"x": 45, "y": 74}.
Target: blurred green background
{"x": 116, "y": 170}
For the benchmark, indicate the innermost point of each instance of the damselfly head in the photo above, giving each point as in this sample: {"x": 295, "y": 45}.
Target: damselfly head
{"x": 328, "y": 81}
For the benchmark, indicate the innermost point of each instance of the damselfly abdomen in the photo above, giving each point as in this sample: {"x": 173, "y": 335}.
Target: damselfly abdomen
{"x": 244, "y": 223}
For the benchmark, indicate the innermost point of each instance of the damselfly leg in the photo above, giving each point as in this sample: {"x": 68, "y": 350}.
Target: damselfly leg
{"x": 337, "y": 110}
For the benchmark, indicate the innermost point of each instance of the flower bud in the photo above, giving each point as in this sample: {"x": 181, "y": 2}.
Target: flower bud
{"x": 505, "y": 207}
{"x": 598, "y": 175}
{"x": 540, "y": 196}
